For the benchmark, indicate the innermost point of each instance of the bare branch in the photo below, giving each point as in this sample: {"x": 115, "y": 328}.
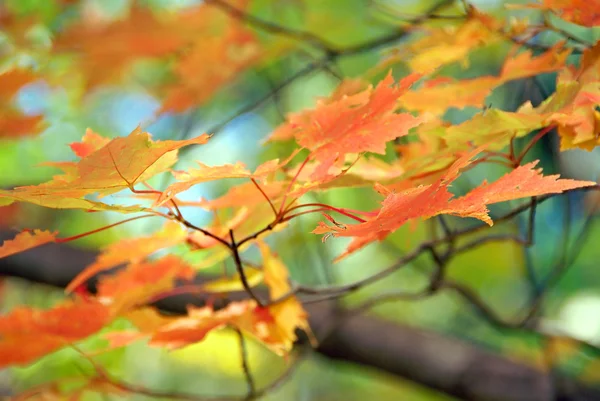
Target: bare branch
{"x": 245, "y": 364}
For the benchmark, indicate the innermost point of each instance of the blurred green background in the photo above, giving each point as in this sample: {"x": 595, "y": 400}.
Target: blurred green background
{"x": 497, "y": 271}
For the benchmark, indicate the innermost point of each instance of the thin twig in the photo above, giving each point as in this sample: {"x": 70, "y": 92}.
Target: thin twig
{"x": 245, "y": 364}
{"x": 240, "y": 269}
{"x": 205, "y": 232}
{"x": 270, "y": 27}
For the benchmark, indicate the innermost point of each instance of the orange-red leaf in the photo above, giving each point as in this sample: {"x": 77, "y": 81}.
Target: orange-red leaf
{"x": 139, "y": 282}
{"x": 27, "y": 334}
{"x": 245, "y": 315}
{"x": 581, "y": 12}
{"x": 522, "y": 182}
{"x": 90, "y": 143}
{"x": 14, "y": 124}
{"x": 204, "y": 173}
{"x": 199, "y": 322}
{"x": 430, "y": 200}
{"x": 363, "y": 122}
{"x": 107, "y": 49}
{"x": 439, "y": 95}
{"x": 132, "y": 250}
{"x": 26, "y": 240}
{"x": 212, "y": 63}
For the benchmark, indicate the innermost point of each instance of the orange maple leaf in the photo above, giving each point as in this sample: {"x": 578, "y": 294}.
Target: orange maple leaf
{"x": 208, "y": 49}
{"x": 26, "y": 240}
{"x": 107, "y": 49}
{"x": 288, "y": 314}
{"x": 581, "y": 12}
{"x": 243, "y": 195}
{"x": 132, "y": 250}
{"x": 90, "y": 143}
{"x": 204, "y": 173}
{"x": 246, "y": 316}
{"x": 27, "y": 334}
{"x": 573, "y": 107}
{"x": 119, "y": 164}
{"x": 138, "y": 283}
{"x": 13, "y": 124}
{"x": 447, "y": 44}
{"x": 363, "y": 122}
{"x": 430, "y": 200}
{"x": 210, "y": 65}
{"x": 522, "y": 182}
{"x": 436, "y": 96}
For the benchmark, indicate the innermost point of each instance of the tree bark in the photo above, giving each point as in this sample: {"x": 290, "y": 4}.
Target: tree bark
{"x": 438, "y": 362}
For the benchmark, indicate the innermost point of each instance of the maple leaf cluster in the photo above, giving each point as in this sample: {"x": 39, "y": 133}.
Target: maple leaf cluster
{"x": 337, "y": 144}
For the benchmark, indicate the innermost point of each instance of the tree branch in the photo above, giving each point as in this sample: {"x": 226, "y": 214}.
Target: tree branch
{"x": 433, "y": 360}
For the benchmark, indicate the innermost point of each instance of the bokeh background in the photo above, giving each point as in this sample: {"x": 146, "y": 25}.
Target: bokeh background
{"x": 566, "y": 230}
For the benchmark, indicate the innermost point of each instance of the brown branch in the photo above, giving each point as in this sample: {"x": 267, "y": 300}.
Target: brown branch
{"x": 310, "y": 38}
{"x": 205, "y": 232}
{"x": 245, "y": 364}
{"x": 436, "y": 361}
{"x": 240, "y": 269}
{"x": 270, "y": 27}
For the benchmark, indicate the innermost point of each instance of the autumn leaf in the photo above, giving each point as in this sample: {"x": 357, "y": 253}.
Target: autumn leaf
{"x": 132, "y": 250}
{"x": 204, "y": 173}
{"x": 438, "y": 95}
{"x": 363, "y": 122}
{"x": 27, "y": 334}
{"x": 200, "y": 321}
{"x": 245, "y": 315}
{"x": 13, "y": 124}
{"x": 271, "y": 325}
{"x": 139, "y": 282}
{"x": 427, "y": 201}
{"x": 243, "y": 195}
{"x": 107, "y": 49}
{"x": 525, "y": 65}
{"x": 581, "y": 12}
{"x": 124, "y": 161}
{"x": 209, "y": 49}
{"x": 493, "y": 128}
{"x": 210, "y": 65}
{"x": 31, "y": 194}
{"x": 289, "y": 313}
{"x": 146, "y": 320}
{"x": 573, "y": 107}
{"x": 522, "y": 182}
{"x": 26, "y": 240}
{"x": 446, "y": 44}
{"x": 90, "y": 143}
{"x": 119, "y": 164}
